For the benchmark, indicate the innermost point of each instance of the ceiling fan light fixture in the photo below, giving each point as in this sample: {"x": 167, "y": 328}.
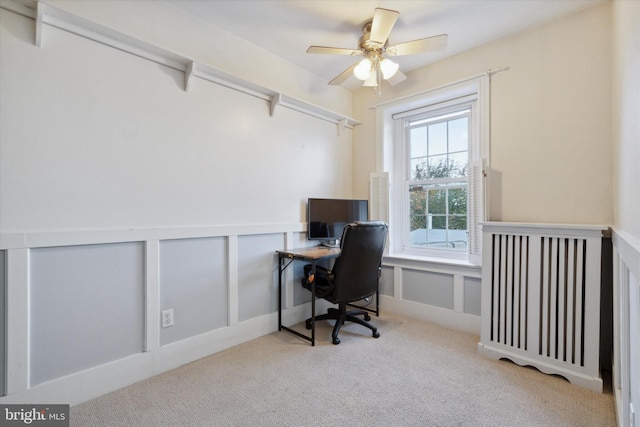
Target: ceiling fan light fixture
{"x": 372, "y": 81}
{"x": 372, "y": 45}
{"x": 388, "y": 68}
{"x": 362, "y": 71}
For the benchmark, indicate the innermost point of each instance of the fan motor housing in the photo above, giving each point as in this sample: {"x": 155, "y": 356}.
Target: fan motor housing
{"x": 366, "y": 44}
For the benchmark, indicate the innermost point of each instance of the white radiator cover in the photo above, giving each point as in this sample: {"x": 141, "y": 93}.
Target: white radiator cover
{"x": 541, "y": 298}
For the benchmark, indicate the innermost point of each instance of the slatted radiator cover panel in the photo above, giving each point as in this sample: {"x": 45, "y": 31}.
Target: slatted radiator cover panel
{"x": 541, "y": 298}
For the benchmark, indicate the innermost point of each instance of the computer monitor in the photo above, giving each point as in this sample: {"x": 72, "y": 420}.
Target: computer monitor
{"x": 328, "y": 217}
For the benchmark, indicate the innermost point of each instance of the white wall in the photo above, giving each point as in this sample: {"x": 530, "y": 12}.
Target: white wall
{"x": 96, "y": 138}
{"x": 550, "y": 143}
{"x": 98, "y": 147}
{"x": 565, "y": 143}
{"x": 550, "y": 119}
{"x": 626, "y": 104}
{"x": 626, "y": 148}
{"x": 112, "y": 175}
{"x": 161, "y": 24}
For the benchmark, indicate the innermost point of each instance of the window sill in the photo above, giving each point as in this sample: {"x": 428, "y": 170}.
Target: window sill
{"x": 417, "y": 261}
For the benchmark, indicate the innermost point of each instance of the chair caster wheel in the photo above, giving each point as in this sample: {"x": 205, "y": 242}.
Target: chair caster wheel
{"x": 376, "y": 334}
{"x": 367, "y": 317}
{"x": 336, "y": 341}
{"x": 307, "y": 324}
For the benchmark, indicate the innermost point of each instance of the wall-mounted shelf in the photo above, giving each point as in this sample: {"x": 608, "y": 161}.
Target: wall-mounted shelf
{"x": 58, "y": 18}
{"x": 275, "y": 98}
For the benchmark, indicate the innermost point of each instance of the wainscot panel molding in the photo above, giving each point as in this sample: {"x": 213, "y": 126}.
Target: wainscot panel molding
{"x": 233, "y": 247}
{"x": 626, "y": 327}
{"x": 58, "y": 264}
{"x": 46, "y": 14}
{"x": 40, "y": 239}
{"x": 407, "y": 288}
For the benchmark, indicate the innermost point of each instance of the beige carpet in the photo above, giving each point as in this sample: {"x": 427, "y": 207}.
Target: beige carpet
{"x": 415, "y": 374}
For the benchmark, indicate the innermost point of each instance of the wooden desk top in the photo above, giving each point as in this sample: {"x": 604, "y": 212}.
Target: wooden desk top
{"x": 312, "y": 253}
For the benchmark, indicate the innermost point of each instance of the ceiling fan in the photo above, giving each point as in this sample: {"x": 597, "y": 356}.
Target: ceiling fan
{"x": 374, "y": 46}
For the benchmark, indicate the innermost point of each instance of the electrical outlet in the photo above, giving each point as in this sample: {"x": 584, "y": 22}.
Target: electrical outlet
{"x": 167, "y": 318}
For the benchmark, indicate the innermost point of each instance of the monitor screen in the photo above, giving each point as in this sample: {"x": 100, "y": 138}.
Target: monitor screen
{"x": 327, "y": 217}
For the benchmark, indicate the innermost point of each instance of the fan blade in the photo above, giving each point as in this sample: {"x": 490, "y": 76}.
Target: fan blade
{"x": 343, "y": 76}
{"x": 383, "y": 22}
{"x": 420, "y": 45}
{"x": 333, "y": 50}
{"x": 398, "y": 77}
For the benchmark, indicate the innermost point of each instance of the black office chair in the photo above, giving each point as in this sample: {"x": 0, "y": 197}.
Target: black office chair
{"x": 354, "y": 276}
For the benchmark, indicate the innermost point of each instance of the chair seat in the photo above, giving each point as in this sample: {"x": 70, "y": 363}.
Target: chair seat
{"x": 354, "y": 275}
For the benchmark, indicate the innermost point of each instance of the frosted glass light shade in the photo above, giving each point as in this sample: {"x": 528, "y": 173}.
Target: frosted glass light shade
{"x": 363, "y": 69}
{"x": 388, "y": 68}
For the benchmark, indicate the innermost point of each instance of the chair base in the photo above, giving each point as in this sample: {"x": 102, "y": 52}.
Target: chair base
{"x": 341, "y": 315}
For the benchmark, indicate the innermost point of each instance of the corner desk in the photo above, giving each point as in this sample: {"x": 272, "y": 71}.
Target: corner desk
{"x": 311, "y": 256}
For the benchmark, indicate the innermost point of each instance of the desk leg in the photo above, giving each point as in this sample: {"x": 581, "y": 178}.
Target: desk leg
{"x": 282, "y": 266}
{"x": 280, "y": 271}
{"x": 313, "y": 304}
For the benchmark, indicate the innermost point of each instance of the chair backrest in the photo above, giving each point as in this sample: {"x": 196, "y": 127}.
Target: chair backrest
{"x": 356, "y": 269}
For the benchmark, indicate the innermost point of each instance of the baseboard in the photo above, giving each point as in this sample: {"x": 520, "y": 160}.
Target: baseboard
{"x": 462, "y": 322}
{"x": 91, "y": 383}
{"x": 85, "y": 385}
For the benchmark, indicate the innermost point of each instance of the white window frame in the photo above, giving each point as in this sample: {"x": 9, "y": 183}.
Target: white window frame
{"x": 392, "y": 159}
{"x": 401, "y": 170}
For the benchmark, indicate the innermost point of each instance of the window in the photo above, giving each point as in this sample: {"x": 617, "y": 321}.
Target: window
{"x": 438, "y": 154}
{"x": 433, "y": 146}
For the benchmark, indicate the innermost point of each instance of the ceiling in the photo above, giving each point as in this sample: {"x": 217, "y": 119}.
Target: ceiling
{"x": 287, "y": 28}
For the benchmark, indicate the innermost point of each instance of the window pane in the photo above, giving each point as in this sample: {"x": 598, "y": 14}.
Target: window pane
{"x": 458, "y": 164}
{"x": 418, "y": 168}
{"x": 438, "y": 222}
{"x": 437, "y": 202}
{"x": 459, "y": 135}
{"x": 438, "y": 216}
{"x": 438, "y": 139}
{"x": 437, "y": 231}
{"x": 458, "y": 222}
{"x": 419, "y": 237}
{"x": 438, "y": 167}
{"x": 457, "y": 236}
{"x": 418, "y": 142}
{"x": 439, "y": 152}
{"x": 458, "y": 201}
{"x": 417, "y": 217}
{"x": 418, "y": 222}
{"x": 417, "y": 200}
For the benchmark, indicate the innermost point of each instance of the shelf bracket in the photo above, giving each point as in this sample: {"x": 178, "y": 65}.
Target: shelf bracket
{"x": 39, "y": 22}
{"x": 188, "y": 75}
{"x": 341, "y": 125}
{"x": 276, "y": 100}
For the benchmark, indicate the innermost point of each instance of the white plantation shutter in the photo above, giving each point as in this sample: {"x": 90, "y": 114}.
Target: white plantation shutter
{"x": 476, "y": 209}
{"x": 379, "y": 196}
{"x": 379, "y": 199}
